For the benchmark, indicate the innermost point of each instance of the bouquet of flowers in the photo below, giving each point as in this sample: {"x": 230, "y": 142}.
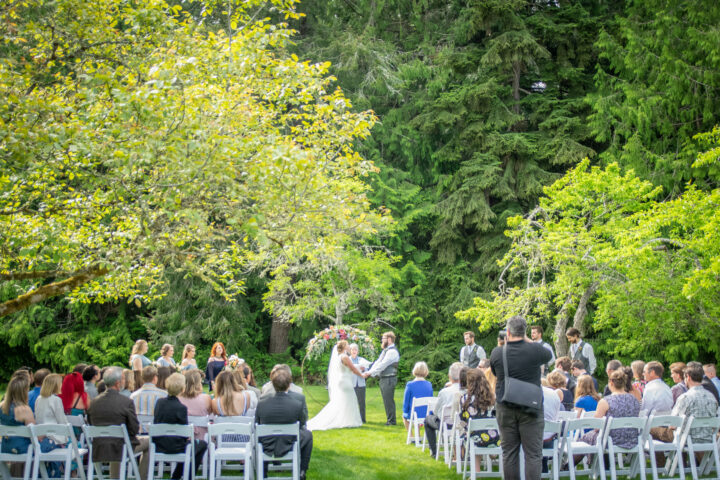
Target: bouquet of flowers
{"x": 233, "y": 363}
{"x": 333, "y": 334}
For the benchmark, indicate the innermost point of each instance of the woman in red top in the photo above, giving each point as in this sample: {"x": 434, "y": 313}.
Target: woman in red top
{"x": 72, "y": 394}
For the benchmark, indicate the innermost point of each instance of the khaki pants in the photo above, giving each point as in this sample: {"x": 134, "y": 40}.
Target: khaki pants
{"x": 144, "y": 460}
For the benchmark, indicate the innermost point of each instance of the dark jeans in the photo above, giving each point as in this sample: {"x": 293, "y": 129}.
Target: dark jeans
{"x": 200, "y": 447}
{"x": 360, "y": 394}
{"x": 431, "y": 434}
{"x": 519, "y": 427}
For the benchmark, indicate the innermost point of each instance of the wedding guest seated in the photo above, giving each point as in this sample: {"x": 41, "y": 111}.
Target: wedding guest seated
{"x": 147, "y": 396}
{"x": 677, "y": 373}
{"x": 447, "y": 396}
{"x": 230, "y": 400}
{"x": 216, "y": 363}
{"x": 586, "y": 397}
{"x": 101, "y": 387}
{"x": 501, "y": 338}
{"x": 188, "y": 361}
{"x": 419, "y": 387}
{"x": 15, "y": 411}
{"x": 171, "y": 411}
{"x": 38, "y": 379}
{"x": 282, "y": 408}
{"x": 657, "y": 396}
{"x": 129, "y": 378}
{"x": 72, "y": 393}
{"x": 711, "y": 373}
{"x": 558, "y": 381}
{"x": 198, "y": 403}
{"x": 611, "y": 366}
{"x": 163, "y": 373}
{"x": 90, "y": 376}
{"x": 697, "y": 401}
{"x": 111, "y": 408}
{"x": 707, "y": 383}
{"x": 166, "y": 357}
{"x": 564, "y": 365}
{"x": 240, "y": 380}
{"x": 551, "y": 407}
{"x": 638, "y": 369}
{"x": 477, "y": 402}
{"x": 629, "y": 384}
{"x": 268, "y": 389}
{"x": 49, "y": 409}
{"x": 250, "y": 380}
{"x": 618, "y": 404}
{"x": 578, "y": 370}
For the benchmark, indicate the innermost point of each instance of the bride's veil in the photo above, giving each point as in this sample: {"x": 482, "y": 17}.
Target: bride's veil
{"x": 333, "y": 371}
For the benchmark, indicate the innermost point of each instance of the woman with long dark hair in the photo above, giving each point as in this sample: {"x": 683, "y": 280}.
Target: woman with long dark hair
{"x": 478, "y": 402}
{"x": 216, "y": 363}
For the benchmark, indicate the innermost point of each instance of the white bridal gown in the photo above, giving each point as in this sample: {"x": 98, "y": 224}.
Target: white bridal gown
{"x": 342, "y": 410}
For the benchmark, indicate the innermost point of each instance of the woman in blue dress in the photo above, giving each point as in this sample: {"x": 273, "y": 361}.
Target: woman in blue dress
{"x": 586, "y": 397}
{"x": 138, "y": 361}
{"x": 216, "y": 363}
{"x": 188, "y": 358}
{"x": 16, "y": 412}
{"x": 419, "y": 387}
{"x": 166, "y": 357}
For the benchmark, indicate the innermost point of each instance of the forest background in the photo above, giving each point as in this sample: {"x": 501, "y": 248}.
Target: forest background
{"x": 553, "y": 158}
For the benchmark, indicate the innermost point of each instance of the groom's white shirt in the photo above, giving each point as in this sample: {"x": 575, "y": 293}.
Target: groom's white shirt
{"x": 391, "y": 356}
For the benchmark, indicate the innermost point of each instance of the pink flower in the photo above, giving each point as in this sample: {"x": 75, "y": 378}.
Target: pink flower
{"x": 326, "y": 336}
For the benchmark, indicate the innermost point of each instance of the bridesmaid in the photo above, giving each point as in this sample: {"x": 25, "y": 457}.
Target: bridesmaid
{"x": 188, "y": 358}
{"x": 138, "y": 361}
{"x": 216, "y": 363}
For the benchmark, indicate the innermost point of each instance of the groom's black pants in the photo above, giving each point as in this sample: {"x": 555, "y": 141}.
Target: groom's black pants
{"x": 387, "y": 390}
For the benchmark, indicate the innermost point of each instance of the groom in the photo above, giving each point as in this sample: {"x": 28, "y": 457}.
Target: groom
{"x": 385, "y": 367}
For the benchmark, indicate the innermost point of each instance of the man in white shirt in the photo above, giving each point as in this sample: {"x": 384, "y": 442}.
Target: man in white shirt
{"x": 581, "y": 350}
{"x": 386, "y": 367}
{"x": 711, "y": 373}
{"x": 447, "y": 396}
{"x": 657, "y": 396}
{"x": 551, "y": 407}
{"x": 471, "y": 353}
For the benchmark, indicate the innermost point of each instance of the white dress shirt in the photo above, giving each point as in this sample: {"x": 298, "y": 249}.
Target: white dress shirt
{"x": 387, "y": 358}
{"x": 657, "y": 397}
{"x": 447, "y": 396}
{"x": 551, "y": 406}
{"x": 465, "y": 351}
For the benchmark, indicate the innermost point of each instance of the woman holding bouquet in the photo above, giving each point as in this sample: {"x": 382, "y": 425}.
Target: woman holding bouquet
{"x": 216, "y": 363}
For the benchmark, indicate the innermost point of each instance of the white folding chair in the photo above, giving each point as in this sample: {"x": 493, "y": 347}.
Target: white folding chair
{"x": 573, "y": 446}
{"x": 24, "y": 458}
{"x": 145, "y": 421}
{"x": 78, "y": 421}
{"x": 201, "y": 421}
{"x": 415, "y": 421}
{"x": 564, "y": 415}
{"x": 250, "y": 413}
{"x": 171, "y": 430}
{"x": 709, "y": 450}
{"x": 615, "y": 452}
{"x": 553, "y": 452}
{"x": 444, "y": 436}
{"x": 430, "y": 409}
{"x": 293, "y": 456}
{"x": 68, "y": 454}
{"x": 472, "y": 451}
{"x": 128, "y": 459}
{"x": 222, "y": 450}
{"x": 672, "y": 450}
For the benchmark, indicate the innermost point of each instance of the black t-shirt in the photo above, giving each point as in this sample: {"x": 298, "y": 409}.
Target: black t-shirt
{"x": 524, "y": 361}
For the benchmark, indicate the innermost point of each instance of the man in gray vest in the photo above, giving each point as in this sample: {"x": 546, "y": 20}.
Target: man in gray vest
{"x": 581, "y": 350}
{"x": 471, "y": 353}
{"x": 385, "y": 367}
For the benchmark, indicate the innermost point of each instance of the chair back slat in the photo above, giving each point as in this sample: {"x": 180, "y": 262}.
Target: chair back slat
{"x": 234, "y": 419}
{"x": 585, "y": 423}
{"x": 553, "y": 427}
{"x": 482, "y": 424}
{"x": 219, "y": 429}
{"x": 76, "y": 420}
{"x": 199, "y": 420}
{"x": 170, "y": 430}
{"x": 17, "y": 431}
{"x": 665, "y": 421}
{"x": 264, "y": 430}
{"x": 104, "y": 431}
{"x": 705, "y": 422}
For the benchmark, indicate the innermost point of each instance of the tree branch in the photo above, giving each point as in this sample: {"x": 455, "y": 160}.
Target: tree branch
{"x": 51, "y": 290}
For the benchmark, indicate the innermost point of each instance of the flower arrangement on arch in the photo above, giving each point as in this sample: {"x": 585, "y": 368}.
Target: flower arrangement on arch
{"x": 333, "y": 334}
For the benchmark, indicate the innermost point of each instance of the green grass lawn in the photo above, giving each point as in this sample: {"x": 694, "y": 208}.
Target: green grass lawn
{"x": 372, "y": 451}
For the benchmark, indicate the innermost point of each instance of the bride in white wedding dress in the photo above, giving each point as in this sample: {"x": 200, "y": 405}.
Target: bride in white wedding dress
{"x": 342, "y": 410}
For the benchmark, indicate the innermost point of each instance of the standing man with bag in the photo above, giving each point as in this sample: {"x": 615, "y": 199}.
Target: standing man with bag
{"x": 471, "y": 353}
{"x": 386, "y": 367}
{"x": 517, "y": 368}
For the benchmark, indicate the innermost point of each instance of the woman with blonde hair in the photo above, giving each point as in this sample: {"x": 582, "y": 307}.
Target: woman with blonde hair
{"x": 129, "y": 382}
{"x": 166, "y": 357}
{"x": 198, "y": 403}
{"x": 138, "y": 360}
{"x": 418, "y": 387}
{"x": 49, "y": 409}
{"x": 638, "y": 377}
{"x": 558, "y": 382}
{"x": 15, "y": 412}
{"x": 230, "y": 400}
{"x": 586, "y": 397}
{"x": 188, "y": 361}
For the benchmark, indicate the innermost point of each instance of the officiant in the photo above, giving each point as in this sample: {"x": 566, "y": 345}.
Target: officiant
{"x": 386, "y": 367}
{"x": 358, "y": 381}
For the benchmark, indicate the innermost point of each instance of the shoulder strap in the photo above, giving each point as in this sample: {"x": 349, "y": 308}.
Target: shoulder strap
{"x": 76, "y": 401}
{"x": 505, "y": 367}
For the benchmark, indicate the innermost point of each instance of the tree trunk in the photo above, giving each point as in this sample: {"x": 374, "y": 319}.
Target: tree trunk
{"x": 279, "y": 335}
{"x": 50, "y": 290}
{"x": 561, "y": 343}
{"x": 516, "y": 86}
{"x": 581, "y": 312}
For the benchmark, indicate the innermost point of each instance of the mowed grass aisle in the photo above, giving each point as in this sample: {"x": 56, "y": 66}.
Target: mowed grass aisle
{"x": 372, "y": 451}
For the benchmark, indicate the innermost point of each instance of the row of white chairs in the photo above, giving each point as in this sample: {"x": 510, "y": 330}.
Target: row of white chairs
{"x": 567, "y": 443}
{"x": 228, "y": 441}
